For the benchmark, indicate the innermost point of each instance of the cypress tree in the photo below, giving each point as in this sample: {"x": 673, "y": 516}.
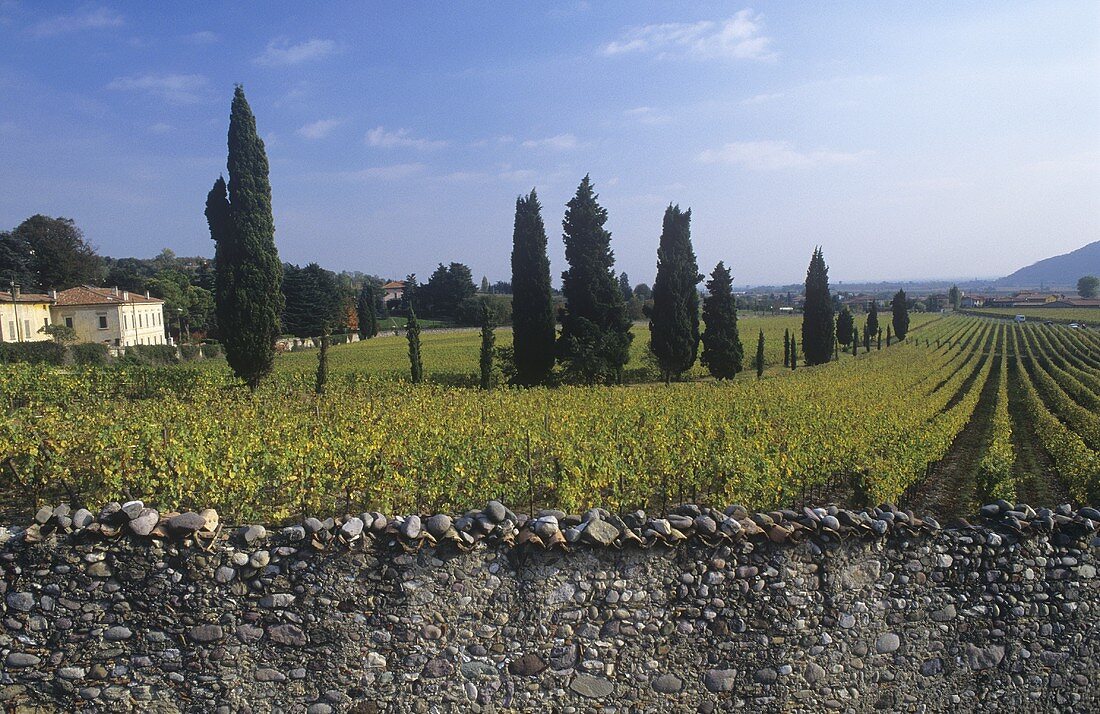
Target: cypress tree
{"x": 760, "y": 355}
{"x": 888, "y": 336}
{"x": 900, "y": 307}
{"x": 872, "y": 327}
{"x": 817, "y": 313}
{"x": 786, "y": 348}
{"x": 844, "y": 325}
{"x": 322, "y": 364}
{"x": 624, "y": 285}
{"x": 878, "y": 336}
{"x": 794, "y": 354}
{"x": 674, "y": 318}
{"x": 855, "y": 341}
{"x": 488, "y": 340}
{"x": 533, "y": 329}
{"x": 723, "y": 354}
{"x": 368, "y": 318}
{"x": 247, "y": 295}
{"x": 866, "y": 341}
{"x": 595, "y": 331}
{"x": 412, "y": 334}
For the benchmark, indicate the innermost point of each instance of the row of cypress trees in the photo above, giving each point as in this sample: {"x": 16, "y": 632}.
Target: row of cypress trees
{"x": 594, "y": 344}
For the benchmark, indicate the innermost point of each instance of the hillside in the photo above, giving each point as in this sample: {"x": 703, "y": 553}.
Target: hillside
{"x": 1058, "y": 271}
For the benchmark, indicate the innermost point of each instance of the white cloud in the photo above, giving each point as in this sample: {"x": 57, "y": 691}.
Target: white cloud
{"x": 373, "y": 173}
{"x": 88, "y": 19}
{"x": 161, "y": 128}
{"x": 561, "y": 142}
{"x": 379, "y": 137}
{"x": 773, "y": 155}
{"x": 175, "y": 88}
{"x": 738, "y": 37}
{"x": 760, "y": 99}
{"x": 648, "y": 115}
{"x": 280, "y": 53}
{"x": 319, "y": 129}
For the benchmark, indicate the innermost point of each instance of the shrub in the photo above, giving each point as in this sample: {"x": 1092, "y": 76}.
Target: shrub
{"x": 89, "y": 354}
{"x": 500, "y": 310}
{"x": 151, "y": 355}
{"x": 190, "y": 352}
{"x": 33, "y": 352}
{"x": 210, "y": 350}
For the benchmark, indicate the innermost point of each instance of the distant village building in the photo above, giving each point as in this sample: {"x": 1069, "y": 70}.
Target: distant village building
{"x": 115, "y": 317}
{"x": 1074, "y": 302}
{"x": 1024, "y": 299}
{"x": 23, "y": 315}
{"x": 393, "y": 290}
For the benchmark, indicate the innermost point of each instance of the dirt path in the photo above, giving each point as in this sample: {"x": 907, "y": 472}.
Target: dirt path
{"x": 949, "y": 489}
{"x": 1037, "y": 480}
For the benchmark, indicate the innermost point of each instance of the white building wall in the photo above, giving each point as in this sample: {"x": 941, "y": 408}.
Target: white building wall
{"x": 24, "y": 328}
{"x": 118, "y": 325}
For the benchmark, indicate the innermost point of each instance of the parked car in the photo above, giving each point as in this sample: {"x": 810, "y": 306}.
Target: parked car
{"x": 1021, "y": 318}
{"x": 1074, "y": 326}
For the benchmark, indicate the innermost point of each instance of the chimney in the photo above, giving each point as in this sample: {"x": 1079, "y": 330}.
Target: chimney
{"x": 125, "y": 294}
{"x": 146, "y": 294}
{"x": 53, "y": 295}
{"x": 16, "y": 291}
{"x": 116, "y": 291}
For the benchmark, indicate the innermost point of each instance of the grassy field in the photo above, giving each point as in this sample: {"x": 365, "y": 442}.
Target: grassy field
{"x": 451, "y": 357}
{"x": 1084, "y": 315}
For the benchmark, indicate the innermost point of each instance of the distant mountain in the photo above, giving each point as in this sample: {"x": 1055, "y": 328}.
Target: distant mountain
{"x": 1059, "y": 271}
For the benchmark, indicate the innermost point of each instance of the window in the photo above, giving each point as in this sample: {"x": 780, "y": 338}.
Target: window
{"x": 11, "y": 328}
{"x": 102, "y": 318}
{"x": 68, "y": 322}
{"x": 26, "y": 329}
{"x": 45, "y": 322}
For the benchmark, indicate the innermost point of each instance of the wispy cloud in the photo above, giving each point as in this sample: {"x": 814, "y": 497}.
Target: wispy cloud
{"x": 319, "y": 129}
{"x": 739, "y": 37}
{"x": 760, "y": 99}
{"x": 281, "y": 53}
{"x": 561, "y": 142}
{"x": 204, "y": 37}
{"x": 376, "y": 173}
{"x": 161, "y": 128}
{"x": 382, "y": 138}
{"x": 175, "y": 88}
{"x": 90, "y": 18}
{"x": 648, "y": 115}
{"x": 773, "y": 155}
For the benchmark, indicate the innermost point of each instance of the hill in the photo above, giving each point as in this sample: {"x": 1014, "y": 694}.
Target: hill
{"x": 1058, "y": 271}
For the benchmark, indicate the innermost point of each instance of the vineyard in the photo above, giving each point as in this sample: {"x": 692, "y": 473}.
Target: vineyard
{"x": 964, "y": 410}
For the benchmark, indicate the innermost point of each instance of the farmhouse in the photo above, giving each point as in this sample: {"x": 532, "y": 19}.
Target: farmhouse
{"x": 115, "y": 317}
{"x": 1075, "y": 302}
{"x": 22, "y": 315}
{"x": 393, "y": 290}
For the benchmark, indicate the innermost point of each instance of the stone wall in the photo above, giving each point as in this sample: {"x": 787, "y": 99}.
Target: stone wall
{"x": 366, "y": 614}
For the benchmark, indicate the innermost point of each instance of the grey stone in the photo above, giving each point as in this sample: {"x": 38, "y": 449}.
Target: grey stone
{"x": 765, "y": 675}
{"x": 82, "y": 518}
{"x": 720, "y": 680}
{"x": 21, "y": 601}
{"x": 118, "y": 633}
{"x": 133, "y": 509}
{"x": 600, "y": 532}
{"x": 352, "y": 527}
{"x": 528, "y": 665}
{"x": 206, "y": 633}
{"x": 496, "y": 511}
{"x": 186, "y": 522}
{"x": 437, "y": 667}
{"x": 887, "y": 642}
{"x": 266, "y": 674}
{"x": 592, "y": 687}
{"x": 980, "y": 658}
{"x": 252, "y": 534}
{"x": 814, "y": 673}
{"x": 410, "y": 529}
{"x": 145, "y": 521}
{"x": 259, "y": 559}
{"x": 224, "y": 574}
{"x": 438, "y": 525}
{"x": 19, "y": 660}
{"x": 287, "y": 634}
{"x": 668, "y": 684}
{"x": 43, "y": 516}
{"x": 944, "y": 614}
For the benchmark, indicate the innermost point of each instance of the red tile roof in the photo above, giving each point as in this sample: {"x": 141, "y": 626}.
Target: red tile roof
{"x": 26, "y": 297}
{"x": 88, "y": 295}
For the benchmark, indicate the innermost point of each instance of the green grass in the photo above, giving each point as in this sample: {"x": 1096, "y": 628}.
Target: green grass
{"x": 451, "y": 357}
{"x": 1063, "y": 315}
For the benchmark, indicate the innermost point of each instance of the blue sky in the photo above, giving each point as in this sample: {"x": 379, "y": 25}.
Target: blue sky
{"x": 910, "y": 140}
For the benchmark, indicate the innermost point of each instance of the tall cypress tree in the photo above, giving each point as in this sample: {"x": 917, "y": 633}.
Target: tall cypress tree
{"x": 760, "y": 355}
{"x": 871, "y": 327}
{"x": 674, "y": 318}
{"x": 488, "y": 340}
{"x": 722, "y": 351}
{"x": 900, "y": 307}
{"x": 595, "y": 330}
{"x": 786, "y": 348}
{"x": 855, "y": 341}
{"x": 817, "y": 313}
{"x": 412, "y": 334}
{"x": 844, "y": 325}
{"x": 532, "y": 302}
{"x": 794, "y": 353}
{"x": 368, "y": 317}
{"x": 247, "y": 296}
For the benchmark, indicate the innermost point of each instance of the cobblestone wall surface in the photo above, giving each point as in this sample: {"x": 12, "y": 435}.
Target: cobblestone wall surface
{"x": 182, "y": 614}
